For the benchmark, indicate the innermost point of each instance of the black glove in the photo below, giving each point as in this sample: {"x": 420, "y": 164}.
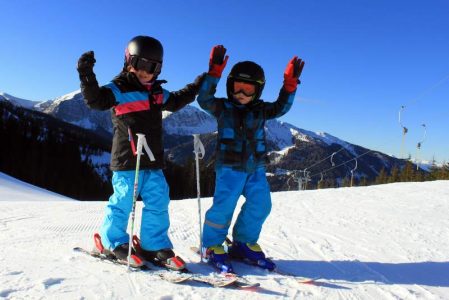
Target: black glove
{"x": 86, "y": 67}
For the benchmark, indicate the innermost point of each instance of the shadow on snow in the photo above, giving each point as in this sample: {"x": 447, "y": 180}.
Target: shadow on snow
{"x": 420, "y": 273}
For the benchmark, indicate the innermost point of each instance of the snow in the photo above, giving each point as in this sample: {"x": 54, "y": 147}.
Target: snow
{"x": 12, "y": 189}
{"x": 66, "y": 97}
{"x": 18, "y": 101}
{"x": 85, "y": 123}
{"x": 280, "y": 133}
{"x": 187, "y": 121}
{"x": 100, "y": 163}
{"x": 426, "y": 164}
{"x": 378, "y": 242}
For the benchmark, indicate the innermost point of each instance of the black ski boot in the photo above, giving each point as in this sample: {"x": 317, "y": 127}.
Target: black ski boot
{"x": 165, "y": 258}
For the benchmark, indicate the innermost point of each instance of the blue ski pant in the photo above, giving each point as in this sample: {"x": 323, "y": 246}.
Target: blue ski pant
{"x": 155, "y": 222}
{"x": 229, "y": 185}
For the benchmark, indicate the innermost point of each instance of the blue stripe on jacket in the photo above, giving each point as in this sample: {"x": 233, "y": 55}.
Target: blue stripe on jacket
{"x": 127, "y": 97}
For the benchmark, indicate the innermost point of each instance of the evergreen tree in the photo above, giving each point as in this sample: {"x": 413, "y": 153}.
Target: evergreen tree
{"x": 408, "y": 173}
{"x": 382, "y": 177}
{"x": 363, "y": 181}
{"x": 394, "y": 176}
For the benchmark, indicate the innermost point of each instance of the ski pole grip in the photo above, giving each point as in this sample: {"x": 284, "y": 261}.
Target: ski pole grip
{"x": 198, "y": 146}
{"x": 140, "y": 141}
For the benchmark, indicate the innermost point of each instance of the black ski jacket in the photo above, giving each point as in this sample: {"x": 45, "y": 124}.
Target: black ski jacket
{"x": 136, "y": 109}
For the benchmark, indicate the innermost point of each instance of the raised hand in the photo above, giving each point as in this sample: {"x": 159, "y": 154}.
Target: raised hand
{"x": 217, "y": 61}
{"x": 85, "y": 67}
{"x": 292, "y": 73}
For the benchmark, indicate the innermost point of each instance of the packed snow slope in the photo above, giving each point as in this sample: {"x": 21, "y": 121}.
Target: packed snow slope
{"x": 378, "y": 242}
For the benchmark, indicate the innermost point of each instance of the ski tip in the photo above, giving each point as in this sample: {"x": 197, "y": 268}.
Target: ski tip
{"x": 175, "y": 278}
{"x": 308, "y": 280}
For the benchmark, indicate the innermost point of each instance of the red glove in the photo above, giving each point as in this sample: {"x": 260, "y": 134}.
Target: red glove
{"x": 217, "y": 61}
{"x": 292, "y": 73}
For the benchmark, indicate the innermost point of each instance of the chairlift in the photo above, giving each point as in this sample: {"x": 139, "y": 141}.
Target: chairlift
{"x": 418, "y": 146}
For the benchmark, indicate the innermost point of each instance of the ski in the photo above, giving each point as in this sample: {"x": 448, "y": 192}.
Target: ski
{"x": 218, "y": 282}
{"x": 239, "y": 281}
{"x": 170, "y": 276}
{"x": 298, "y": 279}
{"x": 209, "y": 280}
{"x": 205, "y": 279}
{"x": 277, "y": 271}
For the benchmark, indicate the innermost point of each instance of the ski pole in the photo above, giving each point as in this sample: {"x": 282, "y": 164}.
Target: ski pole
{"x": 140, "y": 143}
{"x": 198, "y": 149}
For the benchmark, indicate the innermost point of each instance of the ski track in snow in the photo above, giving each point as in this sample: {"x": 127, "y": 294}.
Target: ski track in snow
{"x": 378, "y": 242}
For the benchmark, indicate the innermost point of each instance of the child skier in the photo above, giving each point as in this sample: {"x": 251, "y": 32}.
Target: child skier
{"x": 136, "y": 100}
{"x": 240, "y": 157}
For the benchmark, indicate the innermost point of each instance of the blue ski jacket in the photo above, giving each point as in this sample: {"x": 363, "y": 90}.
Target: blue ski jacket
{"x": 241, "y": 137}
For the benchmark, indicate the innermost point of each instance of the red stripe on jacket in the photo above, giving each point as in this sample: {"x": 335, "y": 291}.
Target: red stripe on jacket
{"x": 131, "y": 107}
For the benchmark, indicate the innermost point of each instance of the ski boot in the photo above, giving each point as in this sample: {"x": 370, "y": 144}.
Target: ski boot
{"x": 165, "y": 258}
{"x": 119, "y": 253}
{"x": 251, "y": 254}
{"x": 217, "y": 257}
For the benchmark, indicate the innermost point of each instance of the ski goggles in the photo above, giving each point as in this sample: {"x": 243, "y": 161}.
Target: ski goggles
{"x": 149, "y": 66}
{"x": 247, "y": 89}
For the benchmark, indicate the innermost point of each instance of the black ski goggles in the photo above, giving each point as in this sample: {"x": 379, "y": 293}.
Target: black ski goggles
{"x": 149, "y": 66}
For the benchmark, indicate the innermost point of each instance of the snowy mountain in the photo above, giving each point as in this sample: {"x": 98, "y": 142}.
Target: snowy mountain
{"x": 377, "y": 242}
{"x": 18, "y": 101}
{"x": 188, "y": 121}
{"x": 71, "y": 109}
{"x": 47, "y": 152}
{"x": 291, "y": 148}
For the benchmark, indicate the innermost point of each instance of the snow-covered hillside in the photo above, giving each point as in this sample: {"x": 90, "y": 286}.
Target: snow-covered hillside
{"x": 12, "y": 189}
{"x": 378, "y": 242}
{"x": 18, "y": 101}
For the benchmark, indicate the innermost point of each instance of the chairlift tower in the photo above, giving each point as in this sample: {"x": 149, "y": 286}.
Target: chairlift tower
{"x": 352, "y": 171}
{"x": 299, "y": 180}
{"x": 296, "y": 178}
{"x": 404, "y": 132}
{"x": 321, "y": 180}
{"x": 332, "y": 157}
{"x": 306, "y": 178}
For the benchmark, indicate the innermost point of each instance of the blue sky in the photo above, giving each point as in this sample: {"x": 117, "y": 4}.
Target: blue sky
{"x": 364, "y": 59}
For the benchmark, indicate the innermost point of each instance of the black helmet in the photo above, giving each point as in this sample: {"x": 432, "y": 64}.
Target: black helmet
{"x": 246, "y": 71}
{"x": 144, "y": 53}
